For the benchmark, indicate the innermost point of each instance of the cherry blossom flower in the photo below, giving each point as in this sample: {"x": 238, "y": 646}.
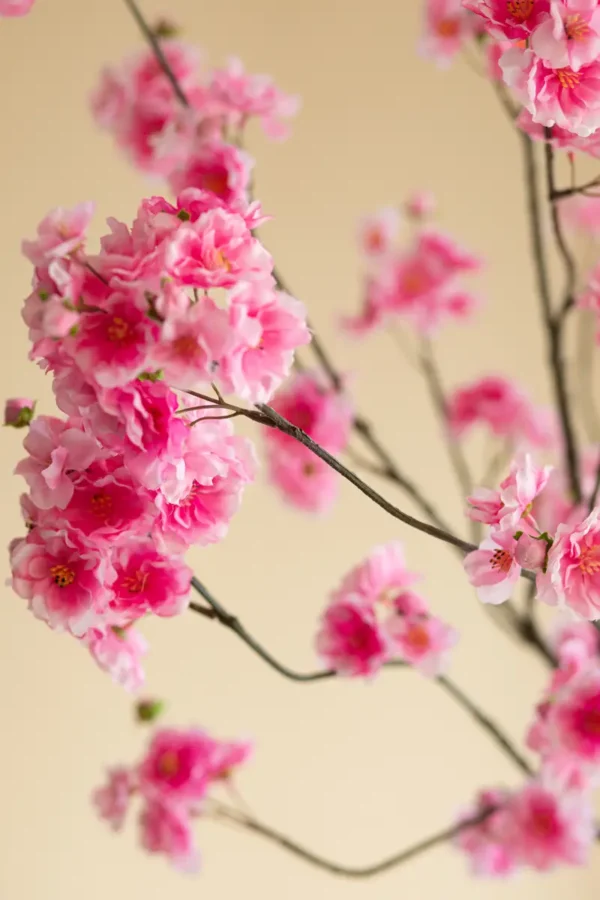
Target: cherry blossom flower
{"x": 18, "y": 412}
{"x": 350, "y": 640}
{"x": 512, "y": 19}
{"x": 570, "y": 36}
{"x": 148, "y": 581}
{"x": 216, "y": 167}
{"x": 304, "y": 480}
{"x": 66, "y": 582}
{"x": 241, "y": 96}
{"x": 324, "y": 414}
{"x": 60, "y": 234}
{"x": 378, "y": 233}
{"x": 112, "y": 799}
{"x": 573, "y": 572}
{"x": 423, "y": 642}
{"x": 573, "y": 720}
{"x": 56, "y": 450}
{"x": 382, "y": 577}
{"x": 447, "y": 27}
{"x": 489, "y": 855}
{"x": 119, "y": 652}
{"x": 563, "y": 97}
{"x": 510, "y": 507}
{"x": 545, "y": 827}
{"x": 168, "y": 830}
{"x": 493, "y": 569}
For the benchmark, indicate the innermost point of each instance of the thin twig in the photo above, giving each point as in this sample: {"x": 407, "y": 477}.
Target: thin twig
{"x": 560, "y": 193}
{"x": 234, "y": 817}
{"x": 158, "y": 51}
{"x": 552, "y": 324}
{"x": 218, "y": 613}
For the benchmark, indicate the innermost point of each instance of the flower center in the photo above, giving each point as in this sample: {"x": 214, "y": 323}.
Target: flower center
{"x": 591, "y": 722}
{"x": 543, "y": 822}
{"x": 448, "y": 28}
{"x": 589, "y": 560}
{"x": 101, "y": 505}
{"x": 413, "y": 283}
{"x": 216, "y": 182}
{"x": 519, "y": 9}
{"x": 168, "y": 764}
{"x": 186, "y": 347}
{"x": 575, "y": 28}
{"x": 220, "y": 261}
{"x": 374, "y": 240}
{"x": 309, "y": 469}
{"x": 417, "y": 637}
{"x": 136, "y": 583}
{"x": 568, "y": 78}
{"x": 63, "y": 576}
{"x": 118, "y": 330}
{"x": 501, "y": 560}
{"x": 191, "y": 495}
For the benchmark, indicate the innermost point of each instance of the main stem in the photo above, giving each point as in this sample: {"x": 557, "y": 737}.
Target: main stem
{"x": 234, "y": 817}
{"x": 552, "y": 323}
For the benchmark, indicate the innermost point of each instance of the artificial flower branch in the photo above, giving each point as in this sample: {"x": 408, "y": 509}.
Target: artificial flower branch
{"x": 232, "y": 816}
{"x": 217, "y": 612}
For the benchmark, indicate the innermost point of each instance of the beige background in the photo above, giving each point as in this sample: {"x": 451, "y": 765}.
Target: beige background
{"x": 353, "y": 771}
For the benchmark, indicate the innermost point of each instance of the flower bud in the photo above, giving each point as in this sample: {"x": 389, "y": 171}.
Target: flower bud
{"x": 19, "y": 412}
{"x": 149, "y": 710}
{"x": 530, "y": 552}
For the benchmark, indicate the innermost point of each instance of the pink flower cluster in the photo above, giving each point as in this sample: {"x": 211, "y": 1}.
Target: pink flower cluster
{"x": 374, "y": 616}
{"x": 418, "y": 282}
{"x": 565, "y": 555}
{"x": 551, "y": 61}
{"x": 132, "y": 477}
{"x": 173, "y": 781}
{"x": 192, "y": 145}
{"x": 448, "y": 26}
{"x": 326, "y": 416}
{"x": 14, "y": 8}
{"x": 504, "y": 409}
{"x": 549, "y": 821}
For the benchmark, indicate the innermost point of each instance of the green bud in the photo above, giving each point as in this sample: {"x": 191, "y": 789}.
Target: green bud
{"x": 149, "y": 710}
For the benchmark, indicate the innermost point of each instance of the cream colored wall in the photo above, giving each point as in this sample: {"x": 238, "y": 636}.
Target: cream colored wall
{"x": 352, "y": 770}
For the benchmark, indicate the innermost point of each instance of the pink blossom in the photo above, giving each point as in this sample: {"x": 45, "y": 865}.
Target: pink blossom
{"x": 561, "y": 138}
{"x": 66, "y": 582}
{"x": 350, "y": 640}
{"x": 422, "y": 642}
{"x": 193, "y": 344}
{"x": 217, "y": 250}
{"x": 570, "y": 35}
{"x": 581, "y": 213}
{"x": 112, "y": 799}
{"x": 544, "y": 828}
{"x": 378, "y": 233}
{"x": 113, "y": 346}
{"x": 590, "y": 297}
{"x": 324, "y": 414}
{"x": 518, "y": 492}
{"x": 574, "y": 718}
{"x": 485, "y": 505}
{"x": 18, "y": 412}
{"x": 573, "y": 571}
{"x": 204, "y": 490}
{"x": 382, "y": 577}
{"x": 60, "y": 234}
{"x": 148, "y": 581}
{"x": 494, "y": 51}
{"x": 268, "y": 326}
{"x": 447, "y": 28}
{"x": 119, "y": 652}
{"x": 108, "y": 504}
{"x": 493, "y": 569}
{"x": 167, "y": 829}
{"x": 420, "y": 205}
{"x": 501, "y": 406}
{"x": 560, "y": 97}
{"x": 241, "y": 96}
{"x": 530, "y": 552}
{"x": 488, "y": 854}
{"x": 303, "y": 479}
{"x": 512, "y": 19}
{"x": 574, "y": 640}
{"x": 56, "y": 450}
{"x": 216, "y": 167}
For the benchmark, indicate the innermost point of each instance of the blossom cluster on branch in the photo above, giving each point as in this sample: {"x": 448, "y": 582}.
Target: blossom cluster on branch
{"x": 180, "y": 323}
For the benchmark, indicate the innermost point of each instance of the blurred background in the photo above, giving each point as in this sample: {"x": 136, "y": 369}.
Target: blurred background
{"x": 355, "y": 771}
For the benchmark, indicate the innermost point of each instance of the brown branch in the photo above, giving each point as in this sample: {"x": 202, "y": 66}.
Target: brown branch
{"x": 154, "y": 42}
{"x": 234, "y": 817}
{"x": 561, "y": 193}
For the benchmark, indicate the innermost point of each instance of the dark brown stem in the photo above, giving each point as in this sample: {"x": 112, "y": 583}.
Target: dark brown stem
{"x": 154, "y": 42}
{"x": 561, "y": 193}
{"x": 249, "y": 823}
{"x": 552, "y": 324}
